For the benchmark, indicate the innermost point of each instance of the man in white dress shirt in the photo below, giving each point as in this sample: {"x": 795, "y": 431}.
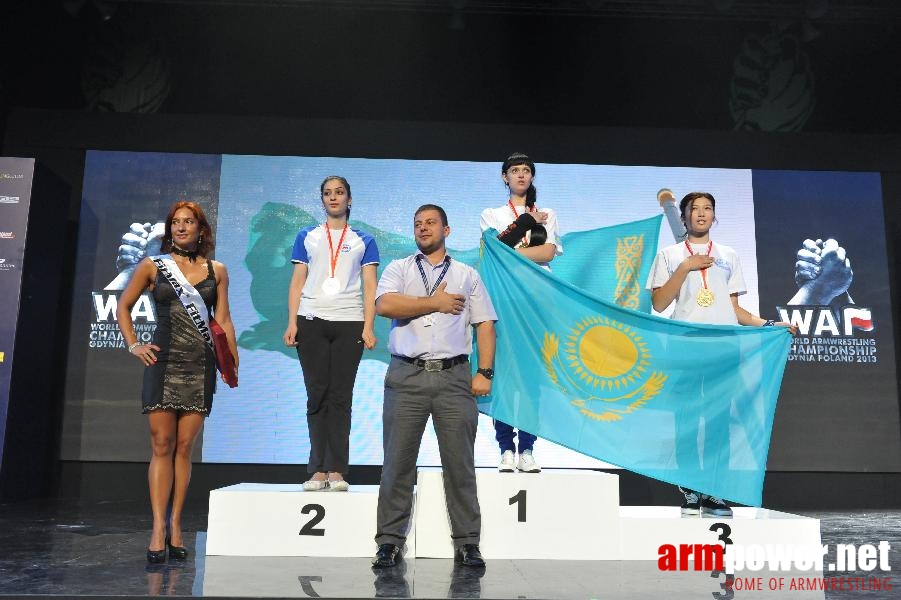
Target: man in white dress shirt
{"x": 435, "y": 303}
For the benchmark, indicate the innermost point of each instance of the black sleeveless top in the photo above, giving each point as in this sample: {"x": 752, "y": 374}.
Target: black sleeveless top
{"x": 183, "y": 378}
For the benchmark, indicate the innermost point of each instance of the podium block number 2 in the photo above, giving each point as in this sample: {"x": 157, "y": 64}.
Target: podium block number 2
{"x": 520, "y": 500}
{"x": 318, "y": 514}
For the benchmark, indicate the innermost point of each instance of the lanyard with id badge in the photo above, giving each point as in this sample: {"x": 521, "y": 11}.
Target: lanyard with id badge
{"x": 429, "y": 319}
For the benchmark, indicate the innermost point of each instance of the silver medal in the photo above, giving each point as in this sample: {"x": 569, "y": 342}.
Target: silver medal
{"x": 331, "y": 286}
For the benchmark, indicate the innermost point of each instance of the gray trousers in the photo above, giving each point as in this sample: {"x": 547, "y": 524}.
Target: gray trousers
{"x": 411, "y": 395}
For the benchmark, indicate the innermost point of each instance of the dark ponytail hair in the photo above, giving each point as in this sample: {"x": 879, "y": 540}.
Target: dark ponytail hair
{"x": 342, "y": 181}
{"x": 538, "y": 232}
{"x": 518, "y": 158}
{"x": 531, "y": 195}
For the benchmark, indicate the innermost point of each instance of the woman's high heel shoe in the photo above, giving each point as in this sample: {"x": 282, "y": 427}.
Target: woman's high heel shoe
{"x": 176, "y": 552}
{"x": 156, "y": 556}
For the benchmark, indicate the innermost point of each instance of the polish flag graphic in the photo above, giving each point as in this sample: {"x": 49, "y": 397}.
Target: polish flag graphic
{"x": 860, "y": 318}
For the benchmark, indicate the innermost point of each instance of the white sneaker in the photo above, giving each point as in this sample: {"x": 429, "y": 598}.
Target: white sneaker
{"x": 527, "y": 463}
{"x": 508, "y": 462}
{"x": 338, "y": 485}
{"x": 314, "y": 486}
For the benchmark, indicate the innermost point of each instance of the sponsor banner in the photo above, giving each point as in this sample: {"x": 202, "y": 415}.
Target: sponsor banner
{"x": 823, "y": 266}
{"x": 15, "y": 193}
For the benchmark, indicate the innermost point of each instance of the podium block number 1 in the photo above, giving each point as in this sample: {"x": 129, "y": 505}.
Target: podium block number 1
{"x": 310, "y": 527}
{"x": 520, "y": 500}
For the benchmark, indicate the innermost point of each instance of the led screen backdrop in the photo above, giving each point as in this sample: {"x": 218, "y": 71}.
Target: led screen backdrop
{"x": 258, "y": 203}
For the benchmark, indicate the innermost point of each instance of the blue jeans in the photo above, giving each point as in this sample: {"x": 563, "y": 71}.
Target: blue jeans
{"x": 504, "y": 435}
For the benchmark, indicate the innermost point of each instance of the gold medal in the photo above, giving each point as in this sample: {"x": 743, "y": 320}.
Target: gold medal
{"x": 705, "y": 296}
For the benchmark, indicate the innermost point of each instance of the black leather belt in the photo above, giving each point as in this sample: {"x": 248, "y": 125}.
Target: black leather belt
{"x": 434, "y": 364}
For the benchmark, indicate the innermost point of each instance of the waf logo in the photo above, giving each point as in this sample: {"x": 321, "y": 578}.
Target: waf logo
{"x": 859, "y": 318}
{"x": 823, "y": 320}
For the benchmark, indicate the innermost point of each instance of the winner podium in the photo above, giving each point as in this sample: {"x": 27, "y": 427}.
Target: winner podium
{"x": 559, "y": 514}
{"x": 257, "y": 519}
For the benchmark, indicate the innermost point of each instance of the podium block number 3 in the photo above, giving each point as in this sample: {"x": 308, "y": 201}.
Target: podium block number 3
{"x": 318, "y": 514}
{"x": 520, "y": 500}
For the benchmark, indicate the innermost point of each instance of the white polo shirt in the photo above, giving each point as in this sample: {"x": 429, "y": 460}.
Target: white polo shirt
{"x": 312, "y": 249}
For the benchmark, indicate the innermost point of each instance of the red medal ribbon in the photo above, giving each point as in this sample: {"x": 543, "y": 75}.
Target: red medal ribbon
{"x": 704, "y": 270}
{"x": 333, "y": 254}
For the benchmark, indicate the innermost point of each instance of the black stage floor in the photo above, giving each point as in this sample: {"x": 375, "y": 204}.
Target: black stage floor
{"x": 65, "y": 548}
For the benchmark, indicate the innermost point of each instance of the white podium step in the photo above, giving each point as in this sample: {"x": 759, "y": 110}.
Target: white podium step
{"x": 644, "y": 529}
{"x": 559, "y": 514}
{"x": 256, "y": 519}
{"x": 555, "y": 514}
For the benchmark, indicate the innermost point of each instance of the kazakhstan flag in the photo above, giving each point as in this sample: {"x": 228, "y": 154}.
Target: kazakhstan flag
{"x": 611, "y": 262}
{"x": 684, "y": 403}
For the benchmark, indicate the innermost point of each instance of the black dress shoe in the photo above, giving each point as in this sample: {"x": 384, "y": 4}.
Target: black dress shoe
{"x": 391, "y": 582}
{"x": 386, "y": 556}
{"x": 176, "y": 552}
{"x": 469, "y": 555}
{"x": 156, "y": 556}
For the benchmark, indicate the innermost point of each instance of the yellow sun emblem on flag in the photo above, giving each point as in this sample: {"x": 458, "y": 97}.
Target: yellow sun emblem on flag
{"x": 603, "y": 363}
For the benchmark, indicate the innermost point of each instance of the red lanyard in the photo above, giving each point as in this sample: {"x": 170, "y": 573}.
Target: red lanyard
{"x": 333, "y": 254}
{"x": 703, "y": 271}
